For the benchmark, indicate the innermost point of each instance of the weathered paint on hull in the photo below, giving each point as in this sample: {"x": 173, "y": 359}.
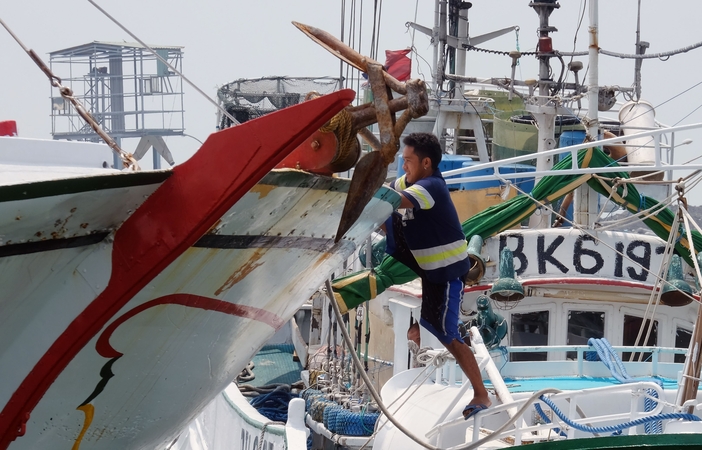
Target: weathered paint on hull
{"x": 203, "y": 189}
{"x": 74, "y": 267}
{"x": 187, "y": 334}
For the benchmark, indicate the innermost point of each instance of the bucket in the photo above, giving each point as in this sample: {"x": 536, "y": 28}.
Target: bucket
{"x": 635, "y": 118}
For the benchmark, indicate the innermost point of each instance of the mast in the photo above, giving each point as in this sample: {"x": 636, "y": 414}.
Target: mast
{"x": 593, "y": 89}
{"x": 585, "y": 198}
{"x": 543, "y": 113}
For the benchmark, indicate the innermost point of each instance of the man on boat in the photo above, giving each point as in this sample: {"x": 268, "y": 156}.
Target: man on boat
{"x": 428, "y": 239}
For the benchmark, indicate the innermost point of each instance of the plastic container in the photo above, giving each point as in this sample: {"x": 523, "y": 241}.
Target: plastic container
{"x": 525, "y": 184}
{"x": 635, "y": 118}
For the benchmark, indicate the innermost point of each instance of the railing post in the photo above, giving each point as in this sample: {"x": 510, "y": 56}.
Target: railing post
{"x": 518, "y": 431}
{"x": 580, "y": 362}
{"x": 634, "y": 407}
{"x": 657, "y": 152}
{"x": 671, "y": 157}
{"x": 572, "y": 410}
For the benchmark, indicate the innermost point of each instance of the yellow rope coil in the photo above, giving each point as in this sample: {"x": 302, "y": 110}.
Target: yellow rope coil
{"x": 342, "y": 127}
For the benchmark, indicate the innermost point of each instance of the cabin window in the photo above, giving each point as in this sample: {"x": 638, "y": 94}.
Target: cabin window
{"x": 682, "y": 340}
{"x": 632, "y": 324}
{"x": 529, "y": 329}
{"x": 583, "y": 325}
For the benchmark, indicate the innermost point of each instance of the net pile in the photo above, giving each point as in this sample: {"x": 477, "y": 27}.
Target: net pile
{"x": 247, "y": 99}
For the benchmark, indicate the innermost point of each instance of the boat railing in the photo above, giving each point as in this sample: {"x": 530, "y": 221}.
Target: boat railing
{"x": 658, "y": 164}
{"x": 581, "y": 350}
{"x": 449, "y": 372}
{"x": 519, "y": 431}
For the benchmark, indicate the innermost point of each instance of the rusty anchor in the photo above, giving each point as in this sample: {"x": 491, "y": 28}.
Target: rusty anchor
{"x": 371, "y": 171}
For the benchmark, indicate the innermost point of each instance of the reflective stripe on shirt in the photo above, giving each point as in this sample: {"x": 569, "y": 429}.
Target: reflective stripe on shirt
{"x": 442, "y": 255}
{"x": 400, "y": 184}
{"x": 423, "y": 197}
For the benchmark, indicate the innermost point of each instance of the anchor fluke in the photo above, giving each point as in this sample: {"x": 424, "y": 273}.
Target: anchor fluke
{"x": 368, "y": 177}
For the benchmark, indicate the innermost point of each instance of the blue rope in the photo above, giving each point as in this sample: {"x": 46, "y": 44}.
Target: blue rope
{"x": 622, "y": 426}
{"x": 274, "y": 405}
{"x": 611, "y": 360}
{"x": 547, "y": 420}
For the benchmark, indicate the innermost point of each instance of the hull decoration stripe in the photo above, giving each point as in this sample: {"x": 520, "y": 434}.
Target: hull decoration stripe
{"x": 204, "y": 188}
{"x": 104, "y": 348}
{"x": 253, "y": 242}
{"x": 52, "y": 188}
{"x": 51, "y": 244}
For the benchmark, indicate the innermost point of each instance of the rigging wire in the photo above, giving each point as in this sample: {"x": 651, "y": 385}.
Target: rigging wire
{"x": 656, "y": 294}
{"x": 688, "y": 115}
{"x": 341, "y": 63}
{"x": 369, "y": 383}
{"x": 169, "y": 65}
{"x": 575, "y": 40}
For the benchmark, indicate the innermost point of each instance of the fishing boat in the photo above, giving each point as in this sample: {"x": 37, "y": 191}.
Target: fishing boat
{"x": 580, "y": 324}
{"x": 133, "y": 298}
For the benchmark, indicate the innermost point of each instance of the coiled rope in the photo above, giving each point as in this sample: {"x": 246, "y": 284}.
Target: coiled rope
{"x": 336, "y": 418}
{"x": 342, "y": 127}
{"x": 274, "y": 405}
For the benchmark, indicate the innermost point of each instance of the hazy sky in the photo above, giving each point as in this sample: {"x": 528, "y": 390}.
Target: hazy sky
{"x": 226, "y": 40}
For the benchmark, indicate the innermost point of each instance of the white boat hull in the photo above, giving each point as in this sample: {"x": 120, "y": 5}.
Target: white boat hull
{"x": 183, "y": 337}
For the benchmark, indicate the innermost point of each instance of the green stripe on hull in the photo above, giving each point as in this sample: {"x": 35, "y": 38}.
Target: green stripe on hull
{"x": 52, "y": 188}
{"x": 653, "y": 441}
{"x": 299, "y": 179}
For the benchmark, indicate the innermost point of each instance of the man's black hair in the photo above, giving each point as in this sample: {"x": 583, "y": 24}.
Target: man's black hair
{"x": 425, "y": 145}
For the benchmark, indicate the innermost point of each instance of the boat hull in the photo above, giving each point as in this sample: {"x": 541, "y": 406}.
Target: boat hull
{"x": 183, "y": 337}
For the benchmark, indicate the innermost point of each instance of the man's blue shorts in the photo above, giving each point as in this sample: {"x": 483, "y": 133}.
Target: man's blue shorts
{"x": 440, "y": 306}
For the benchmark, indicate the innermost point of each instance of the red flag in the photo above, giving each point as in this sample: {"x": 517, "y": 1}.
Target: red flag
{"x": 398, "y": 64}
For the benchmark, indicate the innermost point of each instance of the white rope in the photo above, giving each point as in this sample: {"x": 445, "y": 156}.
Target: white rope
{"x": 655, "y": 296}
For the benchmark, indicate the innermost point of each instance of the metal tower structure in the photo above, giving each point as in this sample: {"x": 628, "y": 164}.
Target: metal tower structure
{"x": 129, "y": 91}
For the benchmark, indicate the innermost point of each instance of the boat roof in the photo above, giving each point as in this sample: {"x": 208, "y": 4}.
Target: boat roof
{"x": 107, "y": 47}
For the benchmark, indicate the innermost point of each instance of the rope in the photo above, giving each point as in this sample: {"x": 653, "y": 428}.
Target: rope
{"x": 545, "y": 418}
{"x": 619, "y": 427}
{"x": 274, "y": 405}
{"x": 369, "y": 384}
{"x": 611, "y": 360}
{"x": 342, "y": 127}
{"x": 263, "y": 432}
{"x": 247, "y": 373}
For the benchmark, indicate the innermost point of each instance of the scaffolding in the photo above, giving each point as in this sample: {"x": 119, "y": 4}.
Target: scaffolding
{"x": 127, "y": 89}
